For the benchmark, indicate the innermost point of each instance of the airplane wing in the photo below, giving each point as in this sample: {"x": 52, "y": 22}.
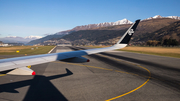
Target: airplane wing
{"x": 18, "y": 66}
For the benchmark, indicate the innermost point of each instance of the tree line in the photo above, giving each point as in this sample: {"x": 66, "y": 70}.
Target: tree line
{"x": 165, "y": 42}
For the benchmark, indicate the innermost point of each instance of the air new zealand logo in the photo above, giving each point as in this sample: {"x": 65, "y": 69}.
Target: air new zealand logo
{"x": 130, "y": 31}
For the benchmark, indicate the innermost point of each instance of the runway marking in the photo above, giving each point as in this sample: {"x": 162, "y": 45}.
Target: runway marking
{"x": 128, "y": 92}
{"x": 149, "y": 77}
{"x": 52, "y": 50}
{"x": 3, "y": 74}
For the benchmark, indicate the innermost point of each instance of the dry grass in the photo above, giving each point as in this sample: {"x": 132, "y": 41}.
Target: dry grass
{"x": 25, "y": 50}
{"x": 162, "y": 51}
{"x": 153, "y": 49}
{"x": 14, "y": 48}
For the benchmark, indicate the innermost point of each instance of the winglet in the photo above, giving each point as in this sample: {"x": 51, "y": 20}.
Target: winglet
{"x": 127, "y": 36}
{"x": 129, "y": 33}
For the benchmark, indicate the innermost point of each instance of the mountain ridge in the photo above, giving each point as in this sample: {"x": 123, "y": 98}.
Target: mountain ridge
{"x": 111, "y": 34}
{"x": 116, "y": 27}
{"x": 104, "y": 24}
{"x": 159, "y": 16}
{"x": 92, "y": 26}
{"x": 171, "y": 31}
{"x": 17, "y": 39}
{"x": 83, "y": 27}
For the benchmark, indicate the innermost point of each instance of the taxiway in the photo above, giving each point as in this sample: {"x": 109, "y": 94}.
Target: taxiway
{"x": 114, "y": 75}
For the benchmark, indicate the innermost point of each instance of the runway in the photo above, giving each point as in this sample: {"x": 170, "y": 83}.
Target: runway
{"x": 109, "y": 76}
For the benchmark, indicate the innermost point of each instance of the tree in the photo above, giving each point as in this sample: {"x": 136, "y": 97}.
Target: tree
{"x": 170, "y": 41}
{"x": 152, "y": 42}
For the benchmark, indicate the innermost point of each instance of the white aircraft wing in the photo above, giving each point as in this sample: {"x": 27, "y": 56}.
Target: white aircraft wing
{"x": 18, "y": 66}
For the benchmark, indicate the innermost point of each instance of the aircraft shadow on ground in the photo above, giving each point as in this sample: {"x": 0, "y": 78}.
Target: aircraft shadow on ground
{"x": 164, "y": 80}
{"x": 41, "y": 89}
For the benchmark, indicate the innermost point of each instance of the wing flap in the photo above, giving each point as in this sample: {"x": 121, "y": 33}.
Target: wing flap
{"x": 22, "y": 71}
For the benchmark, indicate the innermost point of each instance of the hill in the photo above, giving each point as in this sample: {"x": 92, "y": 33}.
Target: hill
{"x": 149, "y": 26}
{"x": 109, "y": 35}
{"x": 168, "y": 33}
{"x": 77, "y": 28}
{"x": 41, "y": 40}
{"x": 94, "y": 36}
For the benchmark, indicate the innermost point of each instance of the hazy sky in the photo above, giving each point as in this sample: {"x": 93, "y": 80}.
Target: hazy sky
{"x": 42, "y": 17}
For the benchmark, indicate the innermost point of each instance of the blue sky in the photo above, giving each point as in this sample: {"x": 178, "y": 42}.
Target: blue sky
{"x": 42, "y": 17}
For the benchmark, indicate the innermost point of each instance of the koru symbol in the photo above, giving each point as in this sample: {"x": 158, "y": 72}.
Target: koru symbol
{"x": 130, "y": 32}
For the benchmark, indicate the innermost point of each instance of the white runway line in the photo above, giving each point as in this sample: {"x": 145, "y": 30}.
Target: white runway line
{"x": 51, "y": 50}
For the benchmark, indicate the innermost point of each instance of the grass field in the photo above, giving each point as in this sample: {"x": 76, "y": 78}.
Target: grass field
{"x": 25, "y": 50}
{"x": 162, "y": 51}
{"x": 33, "y": 50}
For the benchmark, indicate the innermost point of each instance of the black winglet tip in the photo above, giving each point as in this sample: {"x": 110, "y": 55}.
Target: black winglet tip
{"x": 138, "y": 20}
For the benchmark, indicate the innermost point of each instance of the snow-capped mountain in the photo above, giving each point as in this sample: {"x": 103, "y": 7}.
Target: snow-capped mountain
{"x": 174, "y": 17}
{"x": 105, "y": 24}
{"x": 91, "y": 26}
{"x": 33, "y": 37}
{"x": 124, "y": 21}
{"x": 17, "y": 39}
{"x": 158, "y": 16}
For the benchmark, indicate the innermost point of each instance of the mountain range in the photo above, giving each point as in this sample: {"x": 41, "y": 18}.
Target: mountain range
{"x": 106, "y": 24}
{"x": 148, "y": 25}
{"x": 16, "y": 39}
{"x": 158, "y": 16}
{"x": 110, "y": 32}
{"x": 110, "y": 35}
{"x": 78, "y": 28}
{"x": 93, "y": 26}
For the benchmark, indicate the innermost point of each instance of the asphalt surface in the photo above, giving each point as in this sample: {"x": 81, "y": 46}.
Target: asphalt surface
{"x": 114, "y": 75}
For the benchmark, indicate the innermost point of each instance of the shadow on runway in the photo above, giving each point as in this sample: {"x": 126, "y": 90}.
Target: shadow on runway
{"x": 41, "y": 89}
{"x": 163, "y": 79}
{"x": 167, "y": 79}
{"x": 144, "y": 62}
